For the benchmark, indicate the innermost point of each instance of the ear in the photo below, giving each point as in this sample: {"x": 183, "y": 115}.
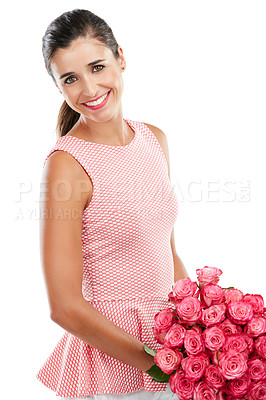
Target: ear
{"x": 122, "y": 59}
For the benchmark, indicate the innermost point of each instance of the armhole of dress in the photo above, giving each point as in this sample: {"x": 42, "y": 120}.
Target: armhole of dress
{"x": 88, "y": 173}
{"x": 157, "y": 143}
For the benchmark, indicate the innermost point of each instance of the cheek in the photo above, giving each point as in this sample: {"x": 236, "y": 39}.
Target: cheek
{"x": 114, "y": 78}
{"x": 71, "y": 94}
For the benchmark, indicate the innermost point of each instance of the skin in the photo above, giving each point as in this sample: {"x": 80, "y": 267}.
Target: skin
{"x": 104, "y": 125}
{"x": 60, "y": 237}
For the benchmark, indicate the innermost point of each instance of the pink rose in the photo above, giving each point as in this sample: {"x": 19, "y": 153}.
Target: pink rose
{"x": 232, "y": 295}
{"x": 229, "y": 327}
{"x": 189, "y": 310}
{"x": 240, "y": 312}
{"x": 214, "y": 338}
{"x": 236, "y": 343}
{"x": 196, "y": 328}
{"x": 194, "y": 366}
{"x": 213, "y": 315}
{"x": 173, "y": 378}
{"x": 260, "y": 346}
{"x": 257, "y": 369}
{"x": 257, "y": 391}
{"x": 193, "y": 343}
{"x": 220, "y": 395}
{"x": 184, "y": 288}
{"x": 233, "y": 365}
{"x": 214, "y": 377}
{"x": 204, "y": 391}
{"x": 175, "y": 336}
{"x": 257, "y": 302}
{"x": 208, "y": 275}
{"x": 168, "y": 359}
{"x": 249, "y": 342}
{"x": 164, "y": 319}
{"x": 159, "y": 335}
{"x": 212, "y": 294}
{"x": 256, "y": 326}
{"x": 181, "y": 385}
{"x": 215, "y": 356}
{"x": 238, "y": 387}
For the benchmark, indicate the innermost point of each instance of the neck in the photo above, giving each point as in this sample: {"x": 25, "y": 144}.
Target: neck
{"x": 114, "y": 132}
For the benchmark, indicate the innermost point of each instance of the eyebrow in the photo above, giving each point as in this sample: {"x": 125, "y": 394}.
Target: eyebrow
{"x": 89, "y": 65}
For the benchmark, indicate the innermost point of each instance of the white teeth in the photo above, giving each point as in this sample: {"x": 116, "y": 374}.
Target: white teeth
{"x": 99, "y": 101}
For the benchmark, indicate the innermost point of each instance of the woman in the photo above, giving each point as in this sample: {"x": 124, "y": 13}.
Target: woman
{"x": 107, "y": 239}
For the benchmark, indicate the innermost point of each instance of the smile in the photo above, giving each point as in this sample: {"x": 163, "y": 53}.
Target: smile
{"x": 100, "y": 102}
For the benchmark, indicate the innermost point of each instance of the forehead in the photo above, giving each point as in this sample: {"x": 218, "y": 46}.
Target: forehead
{"x": 80, "y": 52}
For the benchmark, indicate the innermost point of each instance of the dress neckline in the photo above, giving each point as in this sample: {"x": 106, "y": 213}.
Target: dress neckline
{"x": 129, "y": 123}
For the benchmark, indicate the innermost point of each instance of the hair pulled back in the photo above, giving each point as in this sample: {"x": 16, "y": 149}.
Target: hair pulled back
{"x": 60, "y": 33}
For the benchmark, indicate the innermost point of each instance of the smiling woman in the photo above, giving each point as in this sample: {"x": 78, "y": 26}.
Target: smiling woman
{"x": 95, "y": 79}
{"x": 107, "y": 247}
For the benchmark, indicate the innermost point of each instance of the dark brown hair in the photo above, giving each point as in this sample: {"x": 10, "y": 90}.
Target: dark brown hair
{"x": 60, "y": 33}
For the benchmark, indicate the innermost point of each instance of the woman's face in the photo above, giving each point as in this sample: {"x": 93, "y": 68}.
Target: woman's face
{"x": 85, "y": 71}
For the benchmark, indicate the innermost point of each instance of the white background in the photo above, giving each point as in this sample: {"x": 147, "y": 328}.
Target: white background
{"x": 195, "y": 69}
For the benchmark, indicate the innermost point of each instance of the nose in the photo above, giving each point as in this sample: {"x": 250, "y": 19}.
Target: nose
{"x": 89, "y": 87}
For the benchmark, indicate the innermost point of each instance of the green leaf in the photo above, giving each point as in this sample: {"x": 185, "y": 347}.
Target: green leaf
{"x": 230, "y": 287}
{"x": 149, "y": 350}
{"x": 157, "y": 374}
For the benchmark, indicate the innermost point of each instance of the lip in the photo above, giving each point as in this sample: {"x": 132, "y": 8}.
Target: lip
{"x": 99, "y": 105}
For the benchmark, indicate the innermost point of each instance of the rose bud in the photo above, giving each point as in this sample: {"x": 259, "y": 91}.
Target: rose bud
{"x": 212, "y": 294}
{"x": 208, "y": 275}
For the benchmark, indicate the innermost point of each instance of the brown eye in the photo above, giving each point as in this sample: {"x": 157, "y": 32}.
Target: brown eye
{"x": 69, "y": 80}
{"x": 98, "y": 67}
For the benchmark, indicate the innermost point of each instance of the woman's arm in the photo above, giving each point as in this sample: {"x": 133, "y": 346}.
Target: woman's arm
{"x": 180, "y": 270}
{"x": 62, "y": 263}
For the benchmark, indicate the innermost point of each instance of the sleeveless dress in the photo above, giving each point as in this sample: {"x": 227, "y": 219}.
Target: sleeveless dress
{"x": 128, "y": 267}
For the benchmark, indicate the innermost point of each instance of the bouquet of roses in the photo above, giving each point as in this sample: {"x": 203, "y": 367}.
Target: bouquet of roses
{"x": 214, "y": 341}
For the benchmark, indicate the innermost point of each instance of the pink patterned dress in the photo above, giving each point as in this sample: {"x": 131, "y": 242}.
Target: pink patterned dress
{"x": 128, "y": 263}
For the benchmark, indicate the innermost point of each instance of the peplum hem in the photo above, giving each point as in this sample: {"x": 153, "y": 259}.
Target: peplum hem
{"x": 76, "y": 369}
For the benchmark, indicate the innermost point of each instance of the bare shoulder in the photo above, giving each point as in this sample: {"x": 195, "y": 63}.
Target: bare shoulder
{"x": 160, "y": 135}
{"x": 162, "y": 139}
{"x": 63, "y": 172}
